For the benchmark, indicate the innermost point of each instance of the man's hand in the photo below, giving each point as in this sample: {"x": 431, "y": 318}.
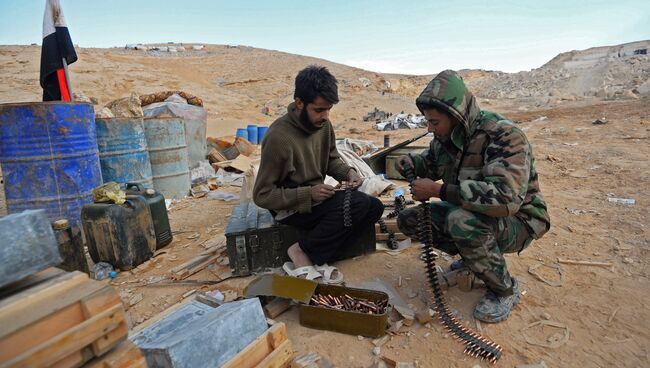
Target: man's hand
{"x": 402, "y": 162}
{"x": 354, "y": 180}
{"x": 423, "y": 189}
{"x": 321, "y": 192}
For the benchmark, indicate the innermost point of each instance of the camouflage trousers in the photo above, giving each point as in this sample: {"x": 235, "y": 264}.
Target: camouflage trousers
{"x": 480, "y": 240}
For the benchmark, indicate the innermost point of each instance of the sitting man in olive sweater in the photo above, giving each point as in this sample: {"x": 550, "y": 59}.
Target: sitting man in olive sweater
{"x": 298, "y": 151}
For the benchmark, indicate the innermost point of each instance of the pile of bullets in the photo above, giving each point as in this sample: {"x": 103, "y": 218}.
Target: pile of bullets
{"x": 349, "y": 303}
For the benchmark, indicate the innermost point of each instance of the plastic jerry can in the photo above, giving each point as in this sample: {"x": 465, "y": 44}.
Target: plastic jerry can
{"x": 156, "y": 203}
{"x": 71, "y": 246}
{"x": 122, "y": 235}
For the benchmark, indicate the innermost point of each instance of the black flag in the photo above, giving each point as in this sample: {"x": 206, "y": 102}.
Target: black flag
{"x": 56, "y": 54}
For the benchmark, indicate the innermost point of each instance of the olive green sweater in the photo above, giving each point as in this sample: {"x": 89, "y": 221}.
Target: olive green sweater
{"x": 294, "y": 158}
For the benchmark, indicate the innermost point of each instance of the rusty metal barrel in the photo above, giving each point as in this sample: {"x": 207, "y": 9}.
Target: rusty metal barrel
{"x": 168, "y": 155}
{"x": 123, "y": 151}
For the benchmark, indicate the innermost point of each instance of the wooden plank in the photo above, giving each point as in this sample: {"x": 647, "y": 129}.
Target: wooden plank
{"x": 280, "y": 357}
{"x": 203, "y": 262}
{"x": 43, "y": 300}
{"x": 398, "y": 237}
{"x": 95, "y": 304}
{"x": 390, "y": 227}
{"x": 67, "y": 343}
{"x": 276, "y": 307}
{"x": 76, "y": 359}
{"x": 125, "y": 355}
{"x": 256, "y": 352}
{"x": 30, "y": 281}
{"x": 40, "y": 332}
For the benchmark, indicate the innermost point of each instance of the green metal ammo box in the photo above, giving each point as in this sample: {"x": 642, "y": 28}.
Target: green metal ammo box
{"x": 255, "y": 242}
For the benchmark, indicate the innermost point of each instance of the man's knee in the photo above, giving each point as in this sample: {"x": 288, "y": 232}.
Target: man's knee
{"x": 376, "y": 208}
{"x": 462, "y": 224}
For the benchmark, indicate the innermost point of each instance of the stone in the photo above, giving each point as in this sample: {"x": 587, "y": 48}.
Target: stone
{"x": 423, "y": 317}
{"x": 104, "y": 113}
{"x": 376, "y": 350}
{"x": 127, "y": 107}
{"x": 197, "y": 335}
{"x": 27, "y": 245}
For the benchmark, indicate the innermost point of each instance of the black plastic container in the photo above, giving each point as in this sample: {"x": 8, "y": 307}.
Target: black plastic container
{"x": 122, "y": 235}
{"x": 71, "y": 246}
{"x": 156, "y": 203}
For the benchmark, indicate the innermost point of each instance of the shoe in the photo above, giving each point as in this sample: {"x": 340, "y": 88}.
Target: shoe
{"x": 457, "y": 264}
{"x": 493, "y": 308}
{"x": 327, "y": 272}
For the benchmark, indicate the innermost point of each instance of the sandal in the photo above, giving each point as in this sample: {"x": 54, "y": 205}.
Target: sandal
{"x": 327, "y": 274}
{"x": 306, "y": 272}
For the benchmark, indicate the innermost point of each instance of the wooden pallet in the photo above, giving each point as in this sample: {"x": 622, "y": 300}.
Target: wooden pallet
{"x": 125, "y": 355}
{"x": 63, "y": 320}
{"x": 271, "y": 350}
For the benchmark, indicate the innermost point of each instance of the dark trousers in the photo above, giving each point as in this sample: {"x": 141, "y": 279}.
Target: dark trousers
{"x": 327, "y": 237}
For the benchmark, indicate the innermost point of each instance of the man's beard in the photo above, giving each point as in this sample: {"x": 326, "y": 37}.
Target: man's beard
{"x": 304, "y": 119}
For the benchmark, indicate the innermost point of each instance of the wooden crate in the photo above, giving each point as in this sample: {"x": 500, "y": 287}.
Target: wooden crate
{"x": 125, "y": 355}
{"x": 63, "y": 319}
{"x": 271, "y": 350}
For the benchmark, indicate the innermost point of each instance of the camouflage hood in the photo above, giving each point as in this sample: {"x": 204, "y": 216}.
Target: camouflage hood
{"x": 448, "y": 92}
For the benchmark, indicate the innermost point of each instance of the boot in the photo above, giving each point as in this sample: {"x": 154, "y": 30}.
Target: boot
{"x": 493, "y": 308}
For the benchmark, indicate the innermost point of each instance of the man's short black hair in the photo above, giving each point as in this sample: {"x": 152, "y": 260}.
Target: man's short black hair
{"x": 314, "y": 81}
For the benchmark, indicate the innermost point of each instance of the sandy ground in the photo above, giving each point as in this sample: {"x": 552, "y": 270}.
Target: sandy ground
{"x": 606, "y": 309}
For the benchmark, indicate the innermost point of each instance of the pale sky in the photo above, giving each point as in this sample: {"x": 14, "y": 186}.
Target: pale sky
{"x": 409, "y": 37}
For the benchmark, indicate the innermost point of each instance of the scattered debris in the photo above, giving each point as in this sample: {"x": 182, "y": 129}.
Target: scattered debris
{"x": 402, "y": 121}
{"x": 612, "y": 199}
{"x": 194, "y": 236}
{"x": 376, "y": 115}
{"x": 196, "y": 264}
{"x": 600, "y": 121}
{"x": 199, "y": 191}
{"x": 584, "y": 263}
{"x": 224, "y": 196}
{"x": 554, "y": 341}
{"x": 611, "y": 316}
{"x": 276, "y": 307}
{"x": 137, "y": 298}
{"x": 424, "y": 317}
{"x": 533, "y": 271}
{"x": 552, "y": 158}
{"x": 381, "y": 341}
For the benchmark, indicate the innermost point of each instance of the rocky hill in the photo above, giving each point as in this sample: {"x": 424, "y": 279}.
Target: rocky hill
{"x": 237, "y": 81}
{"x": 609, "y": 72}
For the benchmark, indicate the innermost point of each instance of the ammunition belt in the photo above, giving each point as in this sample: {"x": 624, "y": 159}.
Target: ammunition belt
{"x": 475, "y": 344}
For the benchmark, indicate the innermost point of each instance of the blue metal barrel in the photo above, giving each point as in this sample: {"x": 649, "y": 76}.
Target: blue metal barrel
{"x": 168, "y": 155}
{"x": 49, "y": 157}
{"x": 195, "y": 119}
{"x": 123, "y": 151}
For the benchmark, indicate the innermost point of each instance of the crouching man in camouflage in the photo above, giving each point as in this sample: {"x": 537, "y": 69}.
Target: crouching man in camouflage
{"x": 490, "y": 200}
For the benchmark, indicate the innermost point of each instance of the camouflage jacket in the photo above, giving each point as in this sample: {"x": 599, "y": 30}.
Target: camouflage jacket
{"x": 487, "y": 165}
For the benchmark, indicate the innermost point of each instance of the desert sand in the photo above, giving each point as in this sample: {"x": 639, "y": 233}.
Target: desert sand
{"x": 606, "y": 309}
